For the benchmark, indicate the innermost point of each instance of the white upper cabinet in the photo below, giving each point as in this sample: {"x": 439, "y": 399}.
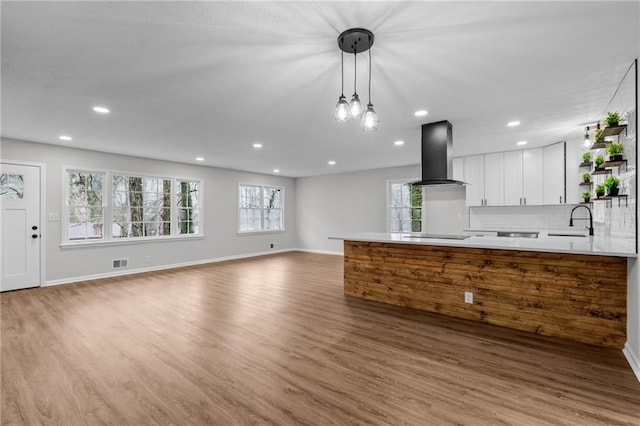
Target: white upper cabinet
{"x": 553, "y": 177}
{"x": 532, "y": 171}
{"x": 527, "y": 177}
{"x": 474, "y": 177}
{"x": 513, "y": 178}
{"x": 494, "y": 179}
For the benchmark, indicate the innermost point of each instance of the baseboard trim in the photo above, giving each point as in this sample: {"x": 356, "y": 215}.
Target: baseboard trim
{"x": 632, "y": 359}
{"x": 335, "y": 253}
{"x": 72, "y": 280}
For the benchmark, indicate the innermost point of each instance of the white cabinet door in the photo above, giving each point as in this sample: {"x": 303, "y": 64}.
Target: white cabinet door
{"x": 474, "y": 177}
{"x": 458, "y": 169}
{"x": 513, "y": 178}
{"x": 532, "y": 182}
{"x": 554, "y": 174}
{"x": 494, "y": 179}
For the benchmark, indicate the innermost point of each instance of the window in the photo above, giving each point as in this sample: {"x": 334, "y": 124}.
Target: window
{"x": 405, "y": 207}
{"x": 131, "y": 207}
{"x": 260, "y": 208}
{"x": 85, "y": 206}
{"x": 188, "y": 207}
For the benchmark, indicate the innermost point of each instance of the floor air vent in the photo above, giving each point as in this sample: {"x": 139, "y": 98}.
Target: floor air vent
{"x": 120, "y": 263}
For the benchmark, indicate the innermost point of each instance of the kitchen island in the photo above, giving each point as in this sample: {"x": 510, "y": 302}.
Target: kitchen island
{"x": 569, "y": 287}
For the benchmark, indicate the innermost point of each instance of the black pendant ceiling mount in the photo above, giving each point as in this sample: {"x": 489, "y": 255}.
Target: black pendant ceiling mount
{"x": 355, "y": 40}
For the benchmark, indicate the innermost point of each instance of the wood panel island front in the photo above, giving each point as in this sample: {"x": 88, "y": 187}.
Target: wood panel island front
{"x": 574, "y": 289}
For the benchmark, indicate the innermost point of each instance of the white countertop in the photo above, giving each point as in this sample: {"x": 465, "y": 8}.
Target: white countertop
{"x": 607, "y": 246}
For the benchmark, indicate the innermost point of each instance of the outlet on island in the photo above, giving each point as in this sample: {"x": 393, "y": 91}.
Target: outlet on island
{"x": 468, "y": 297}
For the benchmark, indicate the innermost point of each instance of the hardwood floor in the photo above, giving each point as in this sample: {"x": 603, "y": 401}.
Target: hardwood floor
{"x": 273, "y": 340}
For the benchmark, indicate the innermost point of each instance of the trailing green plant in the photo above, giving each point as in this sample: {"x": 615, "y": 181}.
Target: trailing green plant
{"x": 599, "y": 161}
{"x": 586, "y": 157}
{"x": 611, "y": 182}
{"x": 586, "y": 196}
{"x": 598, "y": 133}
{"x": 615, "y": 148}
{"x": 613, "y": 118}
{"x": 586, "y": 177}
{"x": 600, "y": 190}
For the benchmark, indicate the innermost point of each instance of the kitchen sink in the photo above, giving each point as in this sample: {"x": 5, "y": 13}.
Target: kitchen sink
{"x": 564, "y": 234}
{"x": 439, "y": 236}
{"x": 509, "y": 234}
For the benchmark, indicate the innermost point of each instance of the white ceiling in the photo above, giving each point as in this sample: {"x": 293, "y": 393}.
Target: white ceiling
{"x": 187, "y": 79}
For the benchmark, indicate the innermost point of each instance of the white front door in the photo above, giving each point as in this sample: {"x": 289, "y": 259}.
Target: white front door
{"x": 19, "y": 226}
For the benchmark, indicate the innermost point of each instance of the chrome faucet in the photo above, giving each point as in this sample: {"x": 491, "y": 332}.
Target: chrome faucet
{"x": 571, "y": 219}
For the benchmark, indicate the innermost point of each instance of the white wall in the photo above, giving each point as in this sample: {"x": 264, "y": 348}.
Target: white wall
{"x": 220, "y": 213}
{"x": 357, "y": 202}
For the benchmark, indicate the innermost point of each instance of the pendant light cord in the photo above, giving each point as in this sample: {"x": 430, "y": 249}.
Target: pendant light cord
{"x": 369, "y": 75}
{"x": 355, "y": 71}
{"x": 342, "y": 72}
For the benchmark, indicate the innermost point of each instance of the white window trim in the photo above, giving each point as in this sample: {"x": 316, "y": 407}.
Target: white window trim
{"x": 107, "y": 238}
{"x": 388, "y": 204}
{"x": 261, "y": 231}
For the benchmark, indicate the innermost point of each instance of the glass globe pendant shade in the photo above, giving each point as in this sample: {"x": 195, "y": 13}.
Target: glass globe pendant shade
{"x": 356, "y": 107}
{"x": 369, "y": 121}
{"x": 342, "y": 112}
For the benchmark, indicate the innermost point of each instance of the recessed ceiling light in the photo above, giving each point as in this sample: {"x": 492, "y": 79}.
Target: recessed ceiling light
{"x": 332, "y": 163}
{"x": 513, "y": 123}
{"x": 65, "y": 138}
{"x": 199, "y": 159}
{"x": 420, "y": 113}
{"x": 398, "y": 143}
{"x": 101, "y": 109}
{"x": 521, "y": 143}
{"x": 257, "y": 145}
{"x": 276, "y": 170}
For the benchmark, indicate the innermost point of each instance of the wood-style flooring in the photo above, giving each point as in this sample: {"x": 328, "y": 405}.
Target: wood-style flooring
{"x": 273, "y": 340}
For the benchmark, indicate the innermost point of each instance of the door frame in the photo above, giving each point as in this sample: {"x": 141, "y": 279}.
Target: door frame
{"x": 43, "y": 217}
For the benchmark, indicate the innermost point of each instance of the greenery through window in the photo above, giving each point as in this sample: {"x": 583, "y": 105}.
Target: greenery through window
{"x": 85, "y": 206}
{"x": 405, "y": 207}
{"x": 136, "y": 206}
{"x": 261, "y": 208}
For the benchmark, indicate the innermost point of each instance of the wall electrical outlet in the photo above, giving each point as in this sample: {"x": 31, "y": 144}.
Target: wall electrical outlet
{"x": 147, "y": 259}
{"x": 468, "y": 297}
{"x": 272, "y": 245}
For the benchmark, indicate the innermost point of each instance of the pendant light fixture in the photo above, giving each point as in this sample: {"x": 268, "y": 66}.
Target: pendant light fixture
{"x": 343, "y": 112}
{"x": 586, "y": 143}
{"x": 370, "y": 120}
{"x": 356, "y": 40}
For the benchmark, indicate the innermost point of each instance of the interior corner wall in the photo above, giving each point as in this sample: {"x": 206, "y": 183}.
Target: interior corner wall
{"x": 343, "y": 203}
{"x": 220, "y": 213}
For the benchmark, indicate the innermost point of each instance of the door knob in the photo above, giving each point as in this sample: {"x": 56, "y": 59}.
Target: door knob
{"x": 34, "y": 236}
{"x": 34, "y": 227}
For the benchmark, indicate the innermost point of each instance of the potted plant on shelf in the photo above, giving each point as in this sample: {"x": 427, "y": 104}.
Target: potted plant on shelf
{"x": 615, "y": 151}
{"x": 612, "y": 184}
{"x": 586, "y": 157}
{"x": 586, "y": 196}
{"x": 613, "y": 118}
{"x": 586, "y": 177}
{"x": 598, "y": 134}
{"x": 599, "y": 162}
{"x": 600, "y": 190}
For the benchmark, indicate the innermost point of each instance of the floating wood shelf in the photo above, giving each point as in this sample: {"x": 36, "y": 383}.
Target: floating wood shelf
{"x": 613, "y": 131}
{"x": 586, "y": 183}
{"x": 610, "y": 199}
{"x": 614, "y": 163}
{"x": 601, "y": 172}
{"x": 585, "y": 164}
{"x": 599, "y": 145}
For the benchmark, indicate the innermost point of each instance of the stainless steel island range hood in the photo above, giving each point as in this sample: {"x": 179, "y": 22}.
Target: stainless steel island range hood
{"x": 437, "y": 164}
